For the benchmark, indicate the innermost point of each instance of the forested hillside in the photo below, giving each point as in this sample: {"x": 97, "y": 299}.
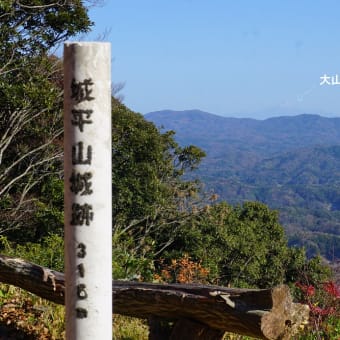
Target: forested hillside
{"x": 165, "y": 228}
{"x": 160, "y": 215}
{"x": 290, "y": 163}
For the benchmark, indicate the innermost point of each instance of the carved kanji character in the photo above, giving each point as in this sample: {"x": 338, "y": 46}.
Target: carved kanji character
{"x": 81, "y": 117}
{"x": 78, "y": 156}
{"x": 80, "y": 183}
{"x": 81, "y": 214}
{"x": 81, "y": 90}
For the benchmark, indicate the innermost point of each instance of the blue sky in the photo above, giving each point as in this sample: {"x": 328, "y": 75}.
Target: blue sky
{"x": 237, "y": 58}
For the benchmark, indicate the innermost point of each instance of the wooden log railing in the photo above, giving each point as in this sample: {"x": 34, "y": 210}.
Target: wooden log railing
{"x": 198, "y": 311}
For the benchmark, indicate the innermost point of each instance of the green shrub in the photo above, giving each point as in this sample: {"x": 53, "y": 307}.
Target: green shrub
{"x": 48, "y": 253}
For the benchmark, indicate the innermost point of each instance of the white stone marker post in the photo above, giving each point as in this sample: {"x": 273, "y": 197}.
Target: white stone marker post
{"x": 87, "y": 190}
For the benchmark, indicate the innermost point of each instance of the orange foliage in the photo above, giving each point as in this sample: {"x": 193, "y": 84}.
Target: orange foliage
{"x": 182, "y": 270}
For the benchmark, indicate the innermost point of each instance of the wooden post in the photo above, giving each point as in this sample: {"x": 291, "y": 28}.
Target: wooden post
{"x": 87, "y": 195}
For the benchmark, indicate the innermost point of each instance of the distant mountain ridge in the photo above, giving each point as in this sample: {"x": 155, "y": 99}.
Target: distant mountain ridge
{"x": 302, "y": 129}
{"x": 291, "y": 163}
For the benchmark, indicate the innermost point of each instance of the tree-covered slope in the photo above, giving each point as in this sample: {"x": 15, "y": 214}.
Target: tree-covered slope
{"x": 290, "y": 163}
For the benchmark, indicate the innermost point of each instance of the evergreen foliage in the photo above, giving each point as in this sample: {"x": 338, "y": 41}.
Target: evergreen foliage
{"x": 31, "y": 103}
{"x": 159, "y": 214}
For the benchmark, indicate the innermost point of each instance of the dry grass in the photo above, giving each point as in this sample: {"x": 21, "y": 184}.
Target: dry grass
{"x": 26, "y": 316}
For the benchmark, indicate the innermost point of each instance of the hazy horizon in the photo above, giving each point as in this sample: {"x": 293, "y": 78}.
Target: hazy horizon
{"x": 245, "y": 116}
